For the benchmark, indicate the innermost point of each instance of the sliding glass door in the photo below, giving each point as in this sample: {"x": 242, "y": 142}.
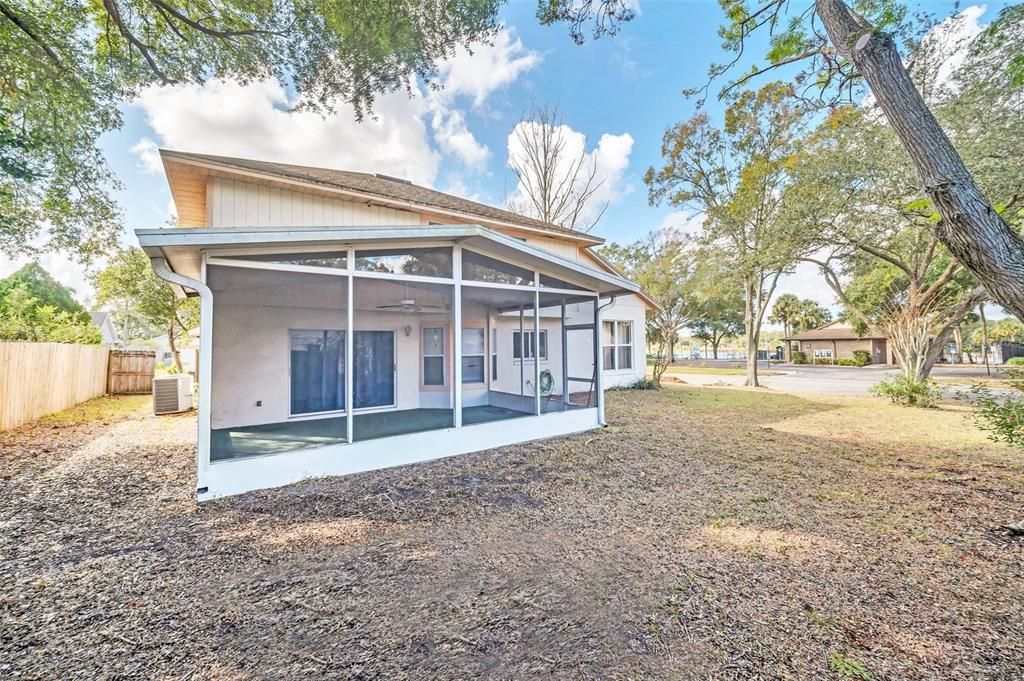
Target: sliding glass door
{"x": 318, "y": 370}
{"x": 374, "y": 380}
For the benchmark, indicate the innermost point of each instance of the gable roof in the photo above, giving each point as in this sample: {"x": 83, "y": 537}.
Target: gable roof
{"x": 837, "y": 330}
{"x": 382, "y": 187}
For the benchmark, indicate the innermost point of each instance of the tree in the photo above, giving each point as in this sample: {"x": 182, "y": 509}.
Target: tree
{"x": 878, "y": 230}
{"x": 719, "y": 303}
{"x": 67, "y": 65}
{"x": 785, "y": 311}
{"x": 663, "y": 265}
{"x": 810, "y": 315}
{"x": 736, "y": 176}
{"x": 129, "y": 282}
{"x": 46, "y": 290}
{"x": 1003, "y": 330}
{"x": 557, "y": 184}
{"x": 24, "y": 317}
{"x": 837, "y": 48}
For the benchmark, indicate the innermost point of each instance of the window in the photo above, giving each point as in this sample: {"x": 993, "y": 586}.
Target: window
{"x": 331, "y": 259}
{"x": 424, "y": 262}
{"x": 494, "y": 354}
{"x": 473, "y": 353}
{"x": 476, "y": 267}
{"x": 433, "y": 355}
{"x": 617, "y": 345}
{"x": 517, "y": 345}
{"x": 317, "y": 371}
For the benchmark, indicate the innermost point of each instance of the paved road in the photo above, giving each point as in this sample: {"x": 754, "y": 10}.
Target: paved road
{"x": 826, "y": 380}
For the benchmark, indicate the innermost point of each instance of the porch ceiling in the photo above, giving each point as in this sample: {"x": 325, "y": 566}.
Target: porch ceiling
{"x": 183, "y": 247}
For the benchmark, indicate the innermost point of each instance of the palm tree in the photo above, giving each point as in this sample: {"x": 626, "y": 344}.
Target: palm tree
{"x": 785, "y": 311}
{"x": 810, "y": 315}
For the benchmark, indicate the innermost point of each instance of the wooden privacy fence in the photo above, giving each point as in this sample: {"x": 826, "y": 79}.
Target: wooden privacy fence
{"x": 131, "y": 372}
{"x": 40, "y": 378}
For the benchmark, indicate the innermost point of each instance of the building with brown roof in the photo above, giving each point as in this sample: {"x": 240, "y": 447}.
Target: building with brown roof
{"x": 838, "y": 340}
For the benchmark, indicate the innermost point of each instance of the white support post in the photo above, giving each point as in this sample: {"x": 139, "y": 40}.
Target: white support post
{"x": 598, "y": 362}
{"x": 457, "y": 335}
{"x": 350, "y": 342}
{"x": 565, "y": 359}
{"x": 536, "y": 343}
{"x": 522, "y": 355}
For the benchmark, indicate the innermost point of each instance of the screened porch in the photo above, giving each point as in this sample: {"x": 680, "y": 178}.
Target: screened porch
{"x": 335, "y": 345}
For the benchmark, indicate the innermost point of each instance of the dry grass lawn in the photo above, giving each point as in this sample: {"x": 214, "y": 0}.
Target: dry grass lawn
{"x": 708, "y": 533}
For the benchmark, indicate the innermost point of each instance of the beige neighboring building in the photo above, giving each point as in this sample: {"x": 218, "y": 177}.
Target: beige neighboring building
{"x": 836, "y": 341}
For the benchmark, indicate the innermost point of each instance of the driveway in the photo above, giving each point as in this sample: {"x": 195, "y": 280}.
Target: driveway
{"x": 829, "y": 380}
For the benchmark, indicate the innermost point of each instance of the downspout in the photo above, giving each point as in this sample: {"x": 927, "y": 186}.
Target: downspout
{"x": 205, "y": 364}
{"x": 599, "y": 360}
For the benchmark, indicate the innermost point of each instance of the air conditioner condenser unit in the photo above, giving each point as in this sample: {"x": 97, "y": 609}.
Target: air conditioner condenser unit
{"x": 172, "y": 394}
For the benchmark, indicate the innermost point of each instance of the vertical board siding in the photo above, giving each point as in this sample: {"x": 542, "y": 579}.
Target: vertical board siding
{"x": 131, "y": 372}
{"x": 37, "y": 379}
{"x": 246, "y": 204}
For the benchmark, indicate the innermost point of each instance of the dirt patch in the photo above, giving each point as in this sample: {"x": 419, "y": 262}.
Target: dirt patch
{"x": 705, "y": 534}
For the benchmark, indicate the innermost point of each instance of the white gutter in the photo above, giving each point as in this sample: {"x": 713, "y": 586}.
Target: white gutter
{"x": 205, "y": 363}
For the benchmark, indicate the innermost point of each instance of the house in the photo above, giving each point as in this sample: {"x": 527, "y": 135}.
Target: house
{"x": 105, "y": 322}
{"x": 835, "y": 341}
{"x": 353, "y": 321}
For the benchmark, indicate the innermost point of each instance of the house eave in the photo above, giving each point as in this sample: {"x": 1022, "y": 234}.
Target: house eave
{"x": 182, "y": 247}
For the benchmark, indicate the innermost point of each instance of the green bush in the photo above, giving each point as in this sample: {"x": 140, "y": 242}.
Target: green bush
{"x": 1015, "y": 362}
{"x": 862, "y": 358}
{"x": 643, "y": 384}
{"x": 1002, "y": 415}
{"x": 901, "y": 390}
{"x": 848, "y": 362}
{"x": 798, "y": 357}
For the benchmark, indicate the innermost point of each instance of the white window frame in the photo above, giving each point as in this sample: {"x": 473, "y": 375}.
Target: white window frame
{"x": 617, "y": 343}
{"x": 482, "y": 355}
{"x": 444, "y": 357}
{"x": 528, "y": 333}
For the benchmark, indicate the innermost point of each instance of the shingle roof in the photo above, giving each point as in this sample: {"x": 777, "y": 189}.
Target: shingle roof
{"x": 834, "y": 331}
{"x": 383, "y": 186}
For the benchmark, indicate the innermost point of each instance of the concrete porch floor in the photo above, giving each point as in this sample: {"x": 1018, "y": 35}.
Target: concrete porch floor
{"x": 274, "y": 438}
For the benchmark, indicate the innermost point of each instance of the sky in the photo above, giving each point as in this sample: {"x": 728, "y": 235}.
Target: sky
{"x": 617, "y": 94}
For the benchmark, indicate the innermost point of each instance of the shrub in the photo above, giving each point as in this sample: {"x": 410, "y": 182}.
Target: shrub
{"x": 901, "y": 390}
{"x": 1002, "y": 415}
{"x": 799, "y": 357}
{"x": 643, "y": 384}
{"x": 1015, "y": 362}
{"x": 862, "y": 358}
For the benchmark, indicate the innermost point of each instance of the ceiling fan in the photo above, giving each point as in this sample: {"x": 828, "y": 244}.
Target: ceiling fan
{"x": 409, "y": 306}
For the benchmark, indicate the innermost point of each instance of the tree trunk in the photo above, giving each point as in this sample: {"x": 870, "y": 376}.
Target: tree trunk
{"x": 174, "y": 348}
{"x": 714, "y": 350}
{"x": 977, "y": 236}
{"x": 750, "y": 328}
{"x": 958, "y": 339}
{"x": 984, "y": 338}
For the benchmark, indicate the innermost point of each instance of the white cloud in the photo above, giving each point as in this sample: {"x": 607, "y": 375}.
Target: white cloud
{"x": 950, "y": 40}
{"x": 483, "y": 70}
{"x": 149, "y": 156}
{"x": 683, "y": 222}
{"x": 610, "y": 157}
{"x": 475, "y": 74}
{"x": 255, "y": 121}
